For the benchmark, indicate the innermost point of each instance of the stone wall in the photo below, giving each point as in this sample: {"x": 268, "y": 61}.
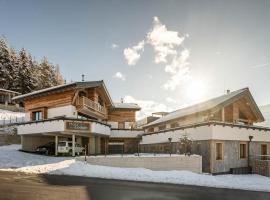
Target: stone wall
{"x": 231, "y": 157}
{"x": 261, "y": 167}
{"x": 206, "y": 148}
{"x": 8, "y": 135}
{"x": 198, "y": 147}
{"x": 176, "y": 162}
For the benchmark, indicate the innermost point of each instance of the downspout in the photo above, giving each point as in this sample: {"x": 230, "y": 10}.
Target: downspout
{"x": 250, "y": 139}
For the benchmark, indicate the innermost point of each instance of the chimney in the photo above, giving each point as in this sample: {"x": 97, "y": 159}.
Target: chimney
{"x": 83, "y": 77}
{"x": 228, "y": 91}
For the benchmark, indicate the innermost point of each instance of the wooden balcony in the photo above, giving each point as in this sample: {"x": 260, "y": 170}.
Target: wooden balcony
{"x": 91, "y": 108}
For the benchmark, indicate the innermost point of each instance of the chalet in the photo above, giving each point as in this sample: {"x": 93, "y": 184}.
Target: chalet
{"x": 222, "y": 129}
{"x": 82, "y": 112}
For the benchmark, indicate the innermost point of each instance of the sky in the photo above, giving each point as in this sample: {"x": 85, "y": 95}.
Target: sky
{"x": 160, "y": 54}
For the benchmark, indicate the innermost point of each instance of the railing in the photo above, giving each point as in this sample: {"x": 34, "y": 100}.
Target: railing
{"x": 83, "y": 101}
{"x": 11, "y": 120}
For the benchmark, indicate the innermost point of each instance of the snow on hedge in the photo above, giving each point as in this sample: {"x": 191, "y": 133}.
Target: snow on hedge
{"x": 14, "y": 160}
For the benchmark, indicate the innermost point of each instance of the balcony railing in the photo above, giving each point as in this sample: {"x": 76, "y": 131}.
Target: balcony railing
{"x": 88, "y": 103}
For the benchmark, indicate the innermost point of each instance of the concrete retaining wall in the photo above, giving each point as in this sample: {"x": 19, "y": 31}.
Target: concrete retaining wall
{"x": 180, "y": 162}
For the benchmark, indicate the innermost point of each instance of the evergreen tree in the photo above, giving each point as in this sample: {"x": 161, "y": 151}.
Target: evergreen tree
{"x": 47, "y": 75}
{"x": 25, "y": 75}
{"x": 6, "y": 67}
{"x": 21, "y": 73}
{"x": 15, "y": 69}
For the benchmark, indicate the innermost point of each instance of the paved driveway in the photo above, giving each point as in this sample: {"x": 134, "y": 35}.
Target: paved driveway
{"x": 46, "y": 187}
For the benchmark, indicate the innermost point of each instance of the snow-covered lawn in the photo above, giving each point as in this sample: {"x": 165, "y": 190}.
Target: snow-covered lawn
{"x": 13, "y": 160}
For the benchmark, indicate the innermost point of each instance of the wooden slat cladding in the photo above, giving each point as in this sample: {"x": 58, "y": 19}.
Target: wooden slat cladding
{"x": 122, "y": 116}
{"x": 50, "y": 101}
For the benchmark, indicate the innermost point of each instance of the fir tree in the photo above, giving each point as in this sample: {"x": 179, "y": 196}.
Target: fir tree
{"x": 6, "y": 67}
{"x": 25, "y": 81}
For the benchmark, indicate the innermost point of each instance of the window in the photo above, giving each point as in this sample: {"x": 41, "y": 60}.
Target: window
{"x": 121, "y": 125}
{"x": 263, "y": 151}
{"x": 219, "y": 151}
{"x": 243, "y": 151}
{"x": 150, "y": 130}
{"x": 163, "y": 127}
{"x": 174, "y": 125}
{"x": 37, "y": 115}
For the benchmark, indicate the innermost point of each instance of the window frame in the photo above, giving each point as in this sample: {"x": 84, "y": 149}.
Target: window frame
{"x": 218, "y": 151}
{"x": 245, "y": 153}
{"x": 40, "y": 115}
{"x": 121, "y": 123}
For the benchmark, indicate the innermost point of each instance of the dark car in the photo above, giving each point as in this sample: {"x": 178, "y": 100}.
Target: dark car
{"x": 47, "y": 149}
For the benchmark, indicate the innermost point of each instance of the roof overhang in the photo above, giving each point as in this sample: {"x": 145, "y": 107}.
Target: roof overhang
{"x": 65, "y": 87}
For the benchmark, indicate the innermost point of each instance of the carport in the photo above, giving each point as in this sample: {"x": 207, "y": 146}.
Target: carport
{"x": 91, "y": 134}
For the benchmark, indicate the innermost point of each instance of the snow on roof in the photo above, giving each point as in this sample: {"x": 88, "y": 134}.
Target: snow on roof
{"x": 75, "y": 84}
{"x": 9, "y": 91}
{"x": 127, "y": 106}
{"x": 203, "y": 106}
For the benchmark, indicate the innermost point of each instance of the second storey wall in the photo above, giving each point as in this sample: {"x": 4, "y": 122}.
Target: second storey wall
{"x": 50, "y": 101}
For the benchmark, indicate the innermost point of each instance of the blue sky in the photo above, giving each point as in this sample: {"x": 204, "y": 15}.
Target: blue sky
{"x": 227, "y": 44}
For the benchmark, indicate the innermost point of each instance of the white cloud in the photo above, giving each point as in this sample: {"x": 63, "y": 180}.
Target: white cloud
{"x": 114, "y": 46}
{"x": 171, "y": 100}
{"x": 132, "y": 54}
{"x": 148, "y": 106}
{"x": 168, "y": 48}
{"x": 120, "y": 76}
{"x": 163, "y": 41}
{"x": 179, "y": 70}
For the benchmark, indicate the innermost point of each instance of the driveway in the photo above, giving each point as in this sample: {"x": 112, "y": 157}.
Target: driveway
{"x": 22, "y": 186}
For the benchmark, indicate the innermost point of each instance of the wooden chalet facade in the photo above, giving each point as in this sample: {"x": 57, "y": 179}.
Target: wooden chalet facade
{"x": 222, "y": 130}
{"x": 80, "y": 111}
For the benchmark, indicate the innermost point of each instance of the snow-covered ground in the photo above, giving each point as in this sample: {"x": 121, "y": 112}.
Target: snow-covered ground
{"x": 14, "y": 160}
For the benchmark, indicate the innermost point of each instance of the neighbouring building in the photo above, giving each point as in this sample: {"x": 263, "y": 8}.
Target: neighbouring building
{"x": 6, "y": 102}
{"x": 222, "y": 129}
{"x": 82, "y": 112}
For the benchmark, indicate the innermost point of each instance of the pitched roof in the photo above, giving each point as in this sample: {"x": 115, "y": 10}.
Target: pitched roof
{"x": 59, "y": 88}
{"x": 204, "y": 106}
{"x": 129, "y": 106}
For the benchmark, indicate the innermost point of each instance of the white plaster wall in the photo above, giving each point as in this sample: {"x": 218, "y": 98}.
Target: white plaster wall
{"x": 27, "y": 116}
{"x": 198, "y": 133}
{"x": 240, "y": 134}
{"x": 100, "y": 129}
{"x": 209, "y": 133}
{"x": 125, "y": 133}
{"x": 191, "y": 163}
{"x": 113, "y": 124}
{"x": 41, "y": 127}
{"x": 68, "y": 111}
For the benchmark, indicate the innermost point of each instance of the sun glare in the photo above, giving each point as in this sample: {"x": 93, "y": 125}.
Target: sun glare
{"x": 196, "y": 90}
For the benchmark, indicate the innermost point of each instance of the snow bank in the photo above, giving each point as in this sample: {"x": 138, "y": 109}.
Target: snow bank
{"x": 14, "y": 160}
